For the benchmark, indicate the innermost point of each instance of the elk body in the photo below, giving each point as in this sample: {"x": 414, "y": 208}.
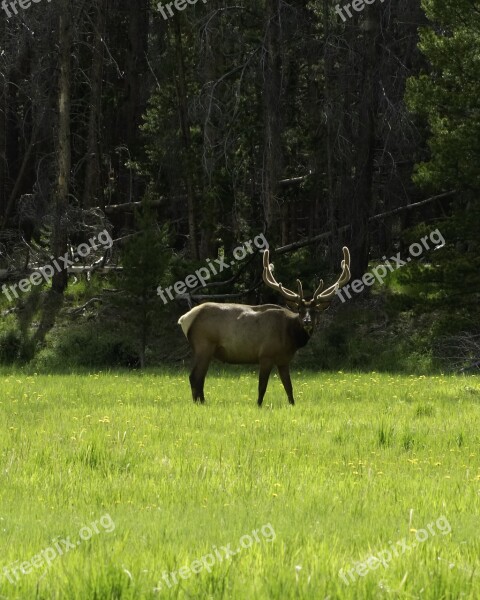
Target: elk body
{"x": 267, "y": 335}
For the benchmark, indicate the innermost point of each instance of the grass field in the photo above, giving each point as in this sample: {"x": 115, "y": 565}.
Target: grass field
{"x": 132, "y": 482}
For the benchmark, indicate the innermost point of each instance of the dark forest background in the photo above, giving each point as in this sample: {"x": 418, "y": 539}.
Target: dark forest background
{"x": 186, "y": 137}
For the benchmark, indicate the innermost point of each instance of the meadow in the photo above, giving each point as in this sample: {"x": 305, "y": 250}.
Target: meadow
{"x": 363, "y": 466}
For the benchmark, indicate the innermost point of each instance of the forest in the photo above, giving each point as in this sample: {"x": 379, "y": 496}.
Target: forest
{"x": 140, "y": 142}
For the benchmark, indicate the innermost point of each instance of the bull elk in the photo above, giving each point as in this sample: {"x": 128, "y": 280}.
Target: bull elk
{"x": 267, "y": 335}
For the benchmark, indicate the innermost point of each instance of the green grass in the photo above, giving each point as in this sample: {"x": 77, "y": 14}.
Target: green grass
{"x": 359, "y": 464}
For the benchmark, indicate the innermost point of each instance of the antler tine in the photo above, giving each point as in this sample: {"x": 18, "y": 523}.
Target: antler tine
{"x": 300, "y": 289}
{"x": 269, "y": 280}
{"x": 318, "y": 290}
{"x": 341, "y": 281}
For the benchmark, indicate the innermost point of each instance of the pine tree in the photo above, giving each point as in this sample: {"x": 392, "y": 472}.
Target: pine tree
{"x": 145, "y": 262}
{"x": 448, "y": 98}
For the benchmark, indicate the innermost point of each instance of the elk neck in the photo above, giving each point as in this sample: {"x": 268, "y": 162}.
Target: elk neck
{"x": 299, "y": 334}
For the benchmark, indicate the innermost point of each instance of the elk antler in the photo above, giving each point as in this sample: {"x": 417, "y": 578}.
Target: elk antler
{"x": 269, "y": 279}
{"x": 319, "y": 297}
{"x": 341, "y": 281}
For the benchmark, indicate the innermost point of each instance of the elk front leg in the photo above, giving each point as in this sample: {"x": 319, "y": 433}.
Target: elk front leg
{"x": 284, "y": 372}
{"x": 265, "y": 370}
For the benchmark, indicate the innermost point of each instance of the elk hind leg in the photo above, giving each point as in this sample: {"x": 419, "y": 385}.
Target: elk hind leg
{"x": 201, "y": 363}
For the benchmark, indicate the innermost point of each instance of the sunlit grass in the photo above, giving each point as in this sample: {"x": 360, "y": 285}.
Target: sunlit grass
{"x": 361, "y": 462}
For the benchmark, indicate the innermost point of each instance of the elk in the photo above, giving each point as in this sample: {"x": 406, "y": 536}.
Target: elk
{"x": 267, "y": 335}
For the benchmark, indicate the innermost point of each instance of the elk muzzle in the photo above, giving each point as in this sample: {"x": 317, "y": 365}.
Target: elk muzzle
{"x": 307, "y": 322}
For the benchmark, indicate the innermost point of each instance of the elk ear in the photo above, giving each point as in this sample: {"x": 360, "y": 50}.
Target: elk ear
{"x": 292, "y": 306}
{"x": 321, "y": 306}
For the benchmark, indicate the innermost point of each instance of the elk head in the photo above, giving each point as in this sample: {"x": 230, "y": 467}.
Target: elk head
{"x": 308, "y": 310}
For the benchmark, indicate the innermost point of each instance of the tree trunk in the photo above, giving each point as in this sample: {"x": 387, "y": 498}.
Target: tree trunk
{"x": 91, "y": 196}
{"x": 3, "y": 132}
{"x": 362, "y": 206}
{"x": 181, "y": 88}
{"x": 136, "y": 68}
{"x": 333, "y": 199}
{"x": 271, "y": 94}
{"x": 60, "y": 234}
